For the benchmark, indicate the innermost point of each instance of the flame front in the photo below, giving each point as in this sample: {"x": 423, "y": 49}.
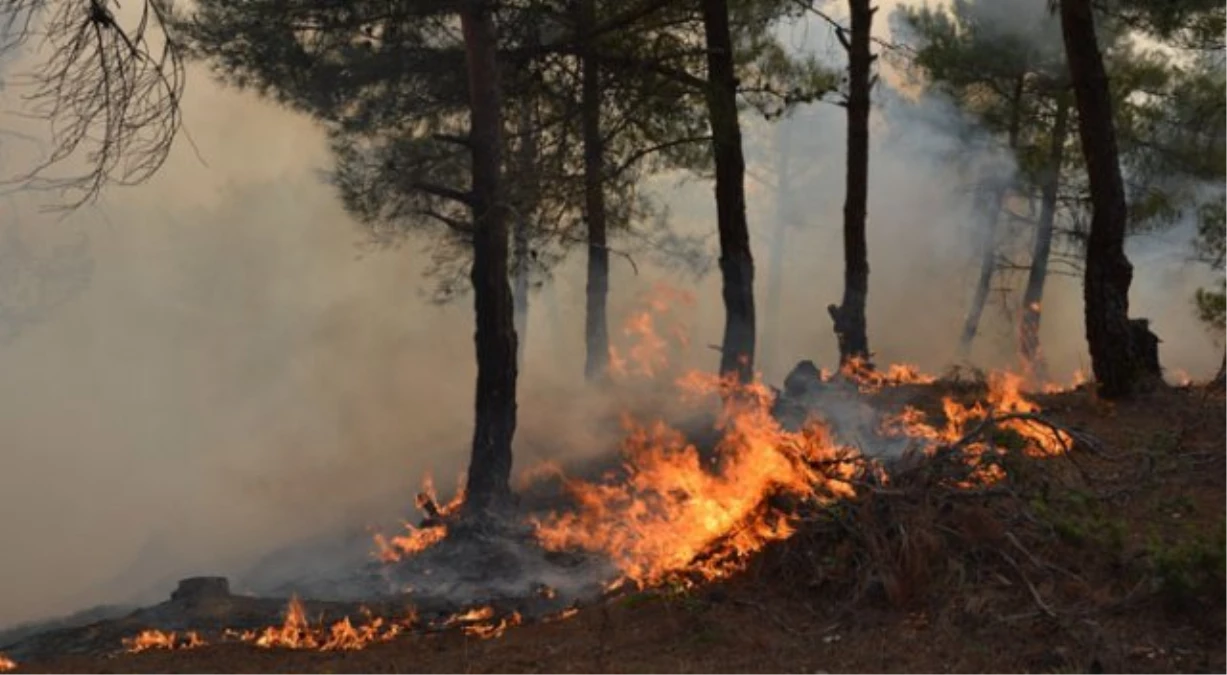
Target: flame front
{"x": 6, "y": 664}
{"x": 671, "y": 509}
{"x": 297, "y": 633}
{"x": 156, "y": 639}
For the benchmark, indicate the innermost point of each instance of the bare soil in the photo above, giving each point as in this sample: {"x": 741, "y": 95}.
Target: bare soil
{"x": 1105, "y": 561}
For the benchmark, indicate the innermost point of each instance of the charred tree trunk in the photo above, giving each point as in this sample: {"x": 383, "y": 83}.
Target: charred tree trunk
{"x": 1033, "y": 296}
{"x": 1220, "y": 379}
{"x": 849, "y": 316}
{"x": 489, "y": 477}
{"x": 1108, "y": 272}
{"x": 736, "y": 262}
{"x": 527, "y": 210}
{"x": 988, "y": 251}
{"x": 596, "y": 328}
{"x": 775, "y": 269}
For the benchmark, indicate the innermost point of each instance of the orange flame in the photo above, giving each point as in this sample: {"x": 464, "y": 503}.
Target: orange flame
{"x": 419, "y": 538}
{"x": 7, "y": 664}
{"x": 297, "y": 633}
{"x": 649, "y": 352}
{"x": 871, "y": 380}
{"x": 673, "y": 508}
{"x": 156, "y": 639}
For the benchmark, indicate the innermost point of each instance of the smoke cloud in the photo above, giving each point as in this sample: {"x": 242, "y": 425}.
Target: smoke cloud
{"x": 233, "y": 371}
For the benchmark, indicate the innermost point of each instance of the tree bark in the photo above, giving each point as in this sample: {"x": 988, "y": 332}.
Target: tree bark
{"x": 596, "y": 327}
{"x": 988, "y": 250}
{"x": 1108, "y": 271}
{"x": 489, "y": 479}
{"x": 775, "y": 271}
{"x": 736, "y": 262}
{"x": 1033, "y": 295}
{"x": 849, "y": 317}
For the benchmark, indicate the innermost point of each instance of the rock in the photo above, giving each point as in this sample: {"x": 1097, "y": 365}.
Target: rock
{"x": 194, "y": 590}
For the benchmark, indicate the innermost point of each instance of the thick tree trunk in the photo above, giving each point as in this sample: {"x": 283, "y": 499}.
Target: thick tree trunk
{"x": 1033, "y": 295}
{"x": 849, "y": 316}
{"x": 775, "y": 270}
{"x": 988, "y": 250}
{"x": 736, "y": 262}
{"x": 596, "y": 328}
{"x": 1108, "y": 272}
{"x": 489, "y": 477}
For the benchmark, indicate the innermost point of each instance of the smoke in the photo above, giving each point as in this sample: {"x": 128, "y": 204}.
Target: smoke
{"x": 237, "y": 376}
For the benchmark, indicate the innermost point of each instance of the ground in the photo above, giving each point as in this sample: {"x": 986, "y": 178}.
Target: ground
{"x": 1102, "y": 561}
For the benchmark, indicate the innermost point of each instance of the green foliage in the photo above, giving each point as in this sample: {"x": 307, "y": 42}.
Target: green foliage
{"x": 1189, "y": 568}
{"x": 388, "y": 83}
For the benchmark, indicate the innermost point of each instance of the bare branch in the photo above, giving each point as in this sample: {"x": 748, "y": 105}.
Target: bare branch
{"x": 110, "y": 95}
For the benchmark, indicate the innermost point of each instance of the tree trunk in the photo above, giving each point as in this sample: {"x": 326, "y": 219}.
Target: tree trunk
{"x": 1220, "y": 379}
{"x": 1033, "y": 296}
{"x": 527, "y": 210}
{"x": 775, "y": 269}
{"x": 489, "y": 477}
{"x": 1108, "y": 272}
{"x": 849, "y": 316}
{"x": 988, "y": 250}
{"x": 736, "y": 262}
{"x": 596, "y": 327}
{"x": 989, "y": 208}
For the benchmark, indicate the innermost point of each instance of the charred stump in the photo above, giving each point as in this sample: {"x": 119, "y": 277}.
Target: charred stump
{"x": 1146, "y": 349}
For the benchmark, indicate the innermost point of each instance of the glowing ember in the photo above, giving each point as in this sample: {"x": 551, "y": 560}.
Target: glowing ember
{"x": 419, "y": 538}
{"x": 490, "y": 630}
{"x": 7, "y": 664}
{"x": 673, "y": 509}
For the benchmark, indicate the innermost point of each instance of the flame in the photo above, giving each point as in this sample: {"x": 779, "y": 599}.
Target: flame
{"x": 490, "y": 630}
{"x": 870, "y": 379}
{"x": 1005, "y": 398}
{"x": 419, "y": 538}
{"x": 297, "y": 633}
{"x": 156, "y": 639}
{"x": 675, "y": 512}
{"x": 6, "y": 664}
{"x": 649, "y": 352}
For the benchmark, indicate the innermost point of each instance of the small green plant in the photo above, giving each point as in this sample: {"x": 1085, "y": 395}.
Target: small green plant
{"x": 1190, "y": 567}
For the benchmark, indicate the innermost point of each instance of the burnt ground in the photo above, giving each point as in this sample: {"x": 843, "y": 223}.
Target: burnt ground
{"x": 1110, "y": 559}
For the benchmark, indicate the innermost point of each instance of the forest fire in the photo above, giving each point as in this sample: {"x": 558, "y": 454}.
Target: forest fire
{"x": 7, "y": 664}
{"x": 679, "y": 512}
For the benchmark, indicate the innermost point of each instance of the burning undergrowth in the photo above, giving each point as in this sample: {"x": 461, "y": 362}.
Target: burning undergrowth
{"x": 679, "y": 508}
